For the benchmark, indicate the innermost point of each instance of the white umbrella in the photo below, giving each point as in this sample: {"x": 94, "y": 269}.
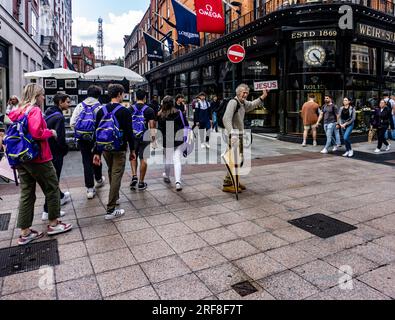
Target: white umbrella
{"x": 113, "y": 73}
{"x": 59, "y": 73}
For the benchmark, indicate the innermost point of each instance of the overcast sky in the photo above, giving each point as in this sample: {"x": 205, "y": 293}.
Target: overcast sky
{"x": 119, "y": 19}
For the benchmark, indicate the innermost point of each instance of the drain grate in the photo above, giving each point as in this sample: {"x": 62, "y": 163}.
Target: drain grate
{"x": 29, "y": 258}
{"x": 4, "y": 221}
{"x": 322, "y": 226}
{"x": 244, "y": 288}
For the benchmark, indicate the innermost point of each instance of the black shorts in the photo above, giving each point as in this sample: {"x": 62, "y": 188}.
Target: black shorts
{"x": 142, "y": 149}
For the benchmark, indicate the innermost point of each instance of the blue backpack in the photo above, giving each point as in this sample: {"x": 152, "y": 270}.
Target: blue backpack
{"x": 20, "y": 146}
{"x": 108, "y": 133}
{"x": 138, "y": 122}
{"x": 53, "y": 115}
{"x": 85, "y": 126}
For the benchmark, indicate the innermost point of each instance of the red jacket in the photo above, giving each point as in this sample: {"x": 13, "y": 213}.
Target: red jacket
{"x": 38, "y": 129}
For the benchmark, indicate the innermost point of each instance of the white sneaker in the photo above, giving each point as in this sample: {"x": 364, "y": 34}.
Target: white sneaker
{"x": 388, "y": 148}
{"x": 346, "y": 154}
{"x": 203, "y": 146}
{"x": 100, "y": 184}
{"x": 377, "y": 150}
{"x": 324, "y": 151}
{"x": 334, "y": 149}
{"x": 117, "y": 213}
{"x": 66, "y": 198}
{"x": 304, "y": 144}
{"x": 207, "y": 145}
{"x": 59, "y": 228}
{"x": 90, "y": 193}
{"x": 178, "y": 186}
{"x": 315, "y": 143}
{"x": 44, "y": 216}
{"x": 351, "y": 154}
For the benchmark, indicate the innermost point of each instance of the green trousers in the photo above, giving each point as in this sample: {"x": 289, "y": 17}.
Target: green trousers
{"x": 116, "y": 162}
{"x": 44, "y": 175}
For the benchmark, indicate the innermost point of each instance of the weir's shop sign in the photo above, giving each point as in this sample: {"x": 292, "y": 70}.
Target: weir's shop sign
{"x": 376, "y": 33}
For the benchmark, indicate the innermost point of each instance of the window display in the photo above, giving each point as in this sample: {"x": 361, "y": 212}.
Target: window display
{"x": 363, "y": 59}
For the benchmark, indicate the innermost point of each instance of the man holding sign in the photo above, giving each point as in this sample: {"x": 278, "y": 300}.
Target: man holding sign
{"x": 234, "y": 127}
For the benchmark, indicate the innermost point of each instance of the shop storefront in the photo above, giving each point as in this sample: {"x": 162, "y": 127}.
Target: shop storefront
{"x": 303, "y": 48}
{"x": 3, "y": 77}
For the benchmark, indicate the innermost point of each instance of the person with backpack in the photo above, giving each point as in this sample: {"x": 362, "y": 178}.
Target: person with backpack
{"x": 381, "y": 120}
{"x": 83, "y": 123}
{"x": 204, "y": 120}
{"x": 59, "y": 148}
{"x": 37, "y": 168}
{"x": 154, "y": 104}
{"x": 231, "y": 117}
{"x": 347, "y": 116}
{"x": 329, "y": 113}
{"x": 215, "y": 106}
{"x": 143, "y": 121}
{"x": 390, "y": 101}
{"x": 113, "y": 134}
{"x": 172, "y": 122}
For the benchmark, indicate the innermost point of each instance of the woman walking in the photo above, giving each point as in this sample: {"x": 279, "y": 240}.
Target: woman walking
{"x": 170, "y": 123}
{"x": 381, "y": 120}
{"x": 40, "y": 170}
{"x": 347, "y": 116}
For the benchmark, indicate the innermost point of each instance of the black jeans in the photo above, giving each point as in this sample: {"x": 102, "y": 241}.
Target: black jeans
{"x": 381, "y": 137}
{"x": 91, "y": 172}
{"x": 57, "y": 162}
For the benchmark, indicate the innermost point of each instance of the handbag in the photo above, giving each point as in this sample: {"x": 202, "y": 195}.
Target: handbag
{"x": 372, "y": 134}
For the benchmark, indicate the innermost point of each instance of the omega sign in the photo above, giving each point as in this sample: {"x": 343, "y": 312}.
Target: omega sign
{"x": 210, "y": 13}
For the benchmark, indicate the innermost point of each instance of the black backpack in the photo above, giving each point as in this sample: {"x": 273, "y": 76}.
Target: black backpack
{"x": 222, "y": 109}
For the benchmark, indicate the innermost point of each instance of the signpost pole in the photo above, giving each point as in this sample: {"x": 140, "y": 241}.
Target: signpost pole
{"x": 233, "y": 78}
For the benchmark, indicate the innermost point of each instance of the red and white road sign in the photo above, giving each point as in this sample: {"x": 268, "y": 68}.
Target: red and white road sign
{"x": 236, "y": 53}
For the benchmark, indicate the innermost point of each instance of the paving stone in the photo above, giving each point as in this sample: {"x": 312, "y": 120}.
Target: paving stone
{"x": 229, "y": 218}
{"x": 120, "y": 281}
{"x": 292, "y": 234}
{"x": 386, "y": 224}
{"x": 348, "y": 258}
{"x": 375, "y": 253}
{"x": 162, "y": 219}
{"x": 237, "y": 249}
{"x": 322, "y": 296}
{"x": 165, "y": 268}
{"x": 33, "y": 294}
{"x": 221, "y": 278}
{"x": 97, "y": 231}
{"x": 245, "y": 229}
{"x": 105, "y": 244}
{"x": 382, "y": 279}
{"x": 25, "y": 281}
{"x": 188, "y": 287}
{"x": 233, "y": 295}
{"x": 272, "y": 223}
{"x": 265, "y": 241}
{"x": 217, "y": 236}
{"x": 151, "y": 251}
{"x": 132, "y": 225}
{"x": 288, "y": 286}
{"x": 73, "y": 269}
{"x": 112, "y": 260}
{"x": 145, "y": 293}
{"x": 72, "y": 251}
{"x": 358, "y": 291}
{"x": 387, "y": 241}
{"x": 203, "y": 258}
{"x": 173, "y": 230}
{"x": 81, "y": 289}
{"x": 320, "y": 273}
{"x": 186, "y": 243}
{"x": 203, "y": 224}
{"x": 139, "y": 237}
{"x": 290, "y": 256}
{"x": 253, "y": 213}
{"x": 259, "y": 266}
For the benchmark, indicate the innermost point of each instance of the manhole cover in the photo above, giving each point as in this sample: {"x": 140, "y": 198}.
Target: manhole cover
{"x": 244, "y": 288}
{"x": 322, "y": 226}
{"x": 4, "y": 221}
{"x": 29, "y": 258}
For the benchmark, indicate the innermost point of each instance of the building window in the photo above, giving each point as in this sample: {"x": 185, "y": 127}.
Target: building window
{"x": 34, "y": 31}
{"x": 389, "y": 63}
{"x": 363, "y": 59}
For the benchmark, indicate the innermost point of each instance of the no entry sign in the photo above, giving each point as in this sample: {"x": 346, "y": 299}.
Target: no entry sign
{"x": 236, "y": 53}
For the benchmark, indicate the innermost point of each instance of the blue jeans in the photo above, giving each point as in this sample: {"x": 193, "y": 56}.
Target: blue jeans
{"x": 337, "y": 135}
{"x": 346, "y": 134}
{"x": 329, "y": 130}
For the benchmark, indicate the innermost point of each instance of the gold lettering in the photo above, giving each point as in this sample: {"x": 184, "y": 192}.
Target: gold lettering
{"x": 255, "y": 40}
{"x": 369, "y": 31}
{"x": 312, "y": 34}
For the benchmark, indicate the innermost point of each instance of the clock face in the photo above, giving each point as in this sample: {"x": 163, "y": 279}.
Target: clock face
{"x": 315, "y": 56}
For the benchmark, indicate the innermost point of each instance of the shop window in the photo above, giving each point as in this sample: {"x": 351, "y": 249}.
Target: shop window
{"x": 180, "y": 80}
{"x": 363, "y": 59}
{"x": 194, "y": 78}
{"x": 208, "y": 74}
{"x": 313, "y": 55}
{"x": 389, "y": 63}
{"x": 256, "y": 69}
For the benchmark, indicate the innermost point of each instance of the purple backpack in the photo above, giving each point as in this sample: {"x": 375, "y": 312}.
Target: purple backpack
{"x": 85, "y": 126}
{"x": 109, "y": 137}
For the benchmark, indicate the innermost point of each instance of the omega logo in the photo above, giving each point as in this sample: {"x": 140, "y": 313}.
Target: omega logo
{"x": 210, "y": 13}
